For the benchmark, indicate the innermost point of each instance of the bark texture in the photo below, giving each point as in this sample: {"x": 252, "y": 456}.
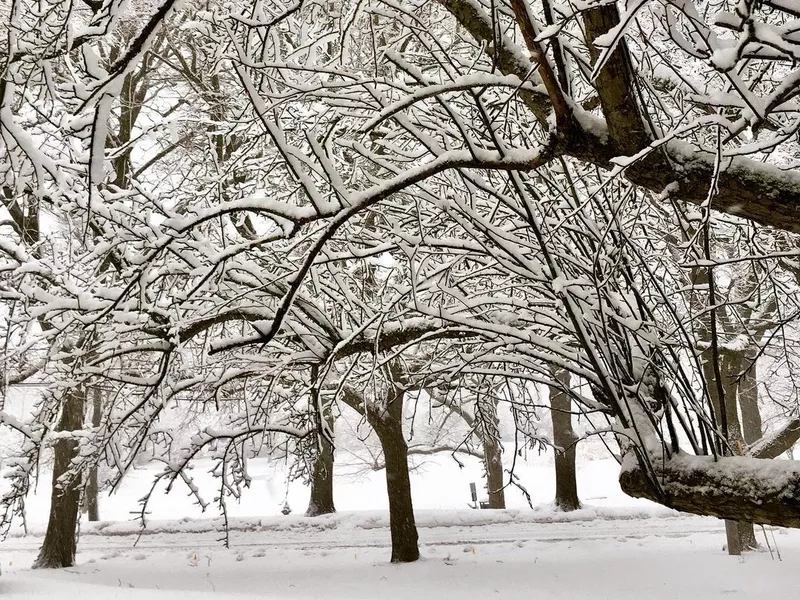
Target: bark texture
{"x": 776, "y": 444}
{"x": 403, "y": 526}
{"x": 489, "y": 430}
{"x": 731, "y": 487}
{"x": 386, "y": 418}
{"x": 564, "y": 440}
{"x": 746, "y": 385}
{"x": 615, "y": 83}
{"x": 60, "y": 540}
{"x": 752, "y": 426}
{"x": 321, "y": 502}
{"x": 91, "y": 494}
{"x": 493, "y": 460}
{"x": 739, "y": 534}
{"x": 92, "y": 491}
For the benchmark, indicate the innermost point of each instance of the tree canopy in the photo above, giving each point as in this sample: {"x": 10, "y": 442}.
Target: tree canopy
{"x": 214, "y": 195}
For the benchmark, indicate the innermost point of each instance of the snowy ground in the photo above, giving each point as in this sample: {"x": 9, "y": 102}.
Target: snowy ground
{"x": 467, "y": 555}
{"x": 619, "y": 548}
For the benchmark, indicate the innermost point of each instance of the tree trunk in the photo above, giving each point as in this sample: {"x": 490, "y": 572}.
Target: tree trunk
{"x": 493, "y": 460}
{"x": 730, "y": 369}
{"x": 713, "y": 392}
{"x": 752, "y": 427}
{"x": 489, "y": 429}
{"x": 747, "y": 536}
{"x": 388, "y": 425}
{"x": 564, "y": 440}
{"x": 321, "y": 502}
{"x": 92, "y": 486}
{"x": 733, "y": 434}
{"x": 747, "y": 394}
{"x": 59, "y": 546}
{"x": 91, "y": 493}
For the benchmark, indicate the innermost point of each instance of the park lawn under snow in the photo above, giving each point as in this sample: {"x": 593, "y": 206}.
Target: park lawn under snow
{"x": 596, "y": 554}
{"x": 616, "y": 548}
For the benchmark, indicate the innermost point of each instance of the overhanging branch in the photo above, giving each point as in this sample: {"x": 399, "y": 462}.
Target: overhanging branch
{"x": 746, "y": 188}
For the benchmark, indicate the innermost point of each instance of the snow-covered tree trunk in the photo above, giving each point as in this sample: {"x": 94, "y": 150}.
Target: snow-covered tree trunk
{"x": 564, "y": 441}
{"x": 739, "y": 534}
{"x": 747, "y": 400}
{"x": 723, "y": 401}
{"x": 385, "y": 415}
{"x": 321, "y": 501}
{"x": 58, "y": 548}
{"x": 489, "y": 431}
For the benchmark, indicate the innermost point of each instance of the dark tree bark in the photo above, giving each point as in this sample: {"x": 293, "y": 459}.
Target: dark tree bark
{"x": 564, "y": 438}
{"x": 723, "y": 397}
{"x": 321, "y": 502}
{"x": 779, "y": 442}
{"x": 59, "y": 546}
{"x": 734, "y": 530}
{"x": 731, "y": 487}
{"x": 388, "y": 426}
{"x": 92, "y": 491}
{"x": 616, "y": 83}
{"x": 386, "y": 420}
{"x": 747, "y": 394}
{"x": 493, "y": 460}
{"x": 91, "y": 494}
{"x": 489, "y": 432}
{"x": 752, "y": 427}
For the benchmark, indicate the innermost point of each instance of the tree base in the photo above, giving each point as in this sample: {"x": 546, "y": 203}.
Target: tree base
{"x": 50, "y": 561}
{"x": 405, "y": 556}
{"x": 566, "y": 505}
{"x": 314, "y": 510}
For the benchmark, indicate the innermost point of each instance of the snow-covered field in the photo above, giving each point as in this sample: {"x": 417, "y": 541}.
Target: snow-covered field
{"x": 467, "y": 555}
{"x": 618, "y": 548}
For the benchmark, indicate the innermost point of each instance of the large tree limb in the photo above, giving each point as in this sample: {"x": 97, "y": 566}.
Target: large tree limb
{"x": 732, "y": 487}
{"x": 775, "y": 444}
{"x": 510, "y": 59}
{"x": 20, "y": 375}
{"x": 745, "y": 188}
{"x": 616, "y": 82}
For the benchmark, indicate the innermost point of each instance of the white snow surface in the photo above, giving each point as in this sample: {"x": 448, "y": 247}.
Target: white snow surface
{"x": 616, "y": 548}
{"x": 346, "y": 557}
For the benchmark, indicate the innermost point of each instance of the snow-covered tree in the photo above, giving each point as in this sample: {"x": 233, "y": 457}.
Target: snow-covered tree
{"x": 512, "y": 163}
